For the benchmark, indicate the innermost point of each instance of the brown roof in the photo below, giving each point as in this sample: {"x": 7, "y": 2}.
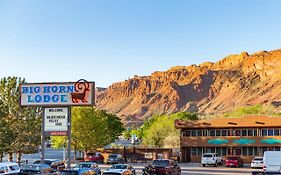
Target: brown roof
{"x": 244, "y": 122}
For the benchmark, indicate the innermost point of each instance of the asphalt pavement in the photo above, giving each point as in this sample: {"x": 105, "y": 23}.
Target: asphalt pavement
{"x": 187, "y": 168}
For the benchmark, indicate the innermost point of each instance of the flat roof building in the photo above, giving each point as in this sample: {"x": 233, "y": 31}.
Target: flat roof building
{"x": 245, "y": 137}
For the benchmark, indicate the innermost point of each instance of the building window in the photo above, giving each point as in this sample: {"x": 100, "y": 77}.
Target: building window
{"x": 250, "y": 151}
{"x": 218, "y": 150}
{"x": 270, "y": 132}
{"x": 200, "y": 151}
{"x": 264, "y": 149}
{"x": 237, "y": 132}
{"x": 277, "y": 149}
{"x": 255, "y": 132}
{"x": 244, "y": 151}
{"x": 212, "y": 133}
{"x": 193, "y": 151}
{"x": 276, "y": 132}
{"x": 238, "y": 152}
{"x": 223, "y": 151}
{"x": 193, "y": 133}
{"x": 186, "y": 133}
{"x": 218, "y": 132}
{"x": 244, "y": 132}
{"x": 224, "y": 132}
{"x": 250, "y": 132}
{"x": 264, "y": 132}
{"x": 199, "y": 133}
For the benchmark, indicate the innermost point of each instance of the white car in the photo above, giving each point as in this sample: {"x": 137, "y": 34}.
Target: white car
{"x": 9, "y": 168}
{"x": 211, "y": 159}
{"x": 257, "y": 162}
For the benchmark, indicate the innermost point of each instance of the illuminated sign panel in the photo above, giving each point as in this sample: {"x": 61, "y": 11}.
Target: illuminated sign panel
{"x": 56, "y": 119}
{"x": 80, "y": 93}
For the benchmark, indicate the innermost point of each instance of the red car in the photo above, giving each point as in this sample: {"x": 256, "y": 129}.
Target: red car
{"x": 94, "y": 157}
{"x": 233, "y": 162}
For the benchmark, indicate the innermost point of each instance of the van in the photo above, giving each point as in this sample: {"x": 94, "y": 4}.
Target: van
{"x": 272, "y": 162}
{"x": 9, "y": 168}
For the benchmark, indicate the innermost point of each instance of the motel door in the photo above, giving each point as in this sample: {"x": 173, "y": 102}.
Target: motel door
{"x": 186, "y": 157}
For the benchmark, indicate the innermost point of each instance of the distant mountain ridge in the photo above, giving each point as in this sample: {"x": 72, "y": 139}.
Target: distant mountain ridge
{"x": 208, "y": 88}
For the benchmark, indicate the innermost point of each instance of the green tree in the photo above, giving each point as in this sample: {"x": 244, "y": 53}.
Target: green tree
{"x": 161, "y": 132}
{"x": 91, "y": 129}
{"x": 20, "y": 125}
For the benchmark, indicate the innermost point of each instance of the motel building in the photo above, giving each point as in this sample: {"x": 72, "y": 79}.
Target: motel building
{"x": 245, "y": 137}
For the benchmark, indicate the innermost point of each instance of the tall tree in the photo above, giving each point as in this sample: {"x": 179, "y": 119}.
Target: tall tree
{"x": 21, "y": 125}
{"x": 92, "y": 129}
{"x": 161, "y": 132}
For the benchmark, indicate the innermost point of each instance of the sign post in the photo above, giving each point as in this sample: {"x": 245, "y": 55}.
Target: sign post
{"x": 56, "y": 100}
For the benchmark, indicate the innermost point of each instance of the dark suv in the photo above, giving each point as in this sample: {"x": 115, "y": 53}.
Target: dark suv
{"x": 162, "y": 166}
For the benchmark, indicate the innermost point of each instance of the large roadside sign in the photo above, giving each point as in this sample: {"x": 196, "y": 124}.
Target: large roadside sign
{"x": 80, "y": 93}
{"x": 56, "y": 121}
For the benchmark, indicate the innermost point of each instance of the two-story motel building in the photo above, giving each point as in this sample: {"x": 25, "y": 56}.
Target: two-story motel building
{"x": 245, "y": 137}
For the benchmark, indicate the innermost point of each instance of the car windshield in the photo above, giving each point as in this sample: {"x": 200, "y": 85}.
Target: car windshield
{"x": 119, "y": 166}
{"x": 113, "y": 156}
{"x": 83, "y": 165}
{"x": 258, "y": 159}
{"x": 207, "y": 155}
{"x": 160, "y": 163}
{"x": 111, "y": 173}
{"x": 31, "y": 167}
{"x": 232, "y": 158}
{"x": 69, "y": 173}
{"x": 48, "y": 162}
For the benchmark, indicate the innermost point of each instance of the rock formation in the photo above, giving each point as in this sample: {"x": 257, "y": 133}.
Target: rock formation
{"x": 208, "y": 88}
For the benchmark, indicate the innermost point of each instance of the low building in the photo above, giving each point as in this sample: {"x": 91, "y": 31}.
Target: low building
{"x": 245, "y": 137}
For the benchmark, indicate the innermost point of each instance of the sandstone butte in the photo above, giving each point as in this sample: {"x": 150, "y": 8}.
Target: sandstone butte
{"x": 208, "y": 88}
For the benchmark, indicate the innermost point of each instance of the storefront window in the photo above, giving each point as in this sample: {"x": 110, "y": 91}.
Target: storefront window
{"x": 277, "y": 148}
{"x": 244, "y": 151}
{"x": 238, "y": 151}
{"x": 193, "y": 151}
{"x": 250, "y": 151}
{"x": 218, "y": 150}
{"x": 223, "y": 151}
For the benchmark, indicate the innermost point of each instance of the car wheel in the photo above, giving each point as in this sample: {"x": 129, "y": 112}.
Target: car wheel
{"x": 203, "y": 165}
{"x": 216, "y": 164}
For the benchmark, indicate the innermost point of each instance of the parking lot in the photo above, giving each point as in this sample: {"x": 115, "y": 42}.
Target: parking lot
{"x": 197, "y": 169}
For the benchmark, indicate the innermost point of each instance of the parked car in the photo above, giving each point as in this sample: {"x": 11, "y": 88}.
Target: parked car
{"x": 56, "y": 164}
{"x": 115, "y": 159}
{"x": 29, "y": 169}
{"x": 257, "y": 162}
{"x": 272, "y": 162}
{"x": 9, "y": 168}
{"x": 233, "y": 161}
{"x": 69, "y": 172}
{"x": 126, "y": 169}
{"x": 162, "y": 166}
{"x": 87, "y": 167}
{"x": 94, "y": 157}
{"x": 211, "y": 159}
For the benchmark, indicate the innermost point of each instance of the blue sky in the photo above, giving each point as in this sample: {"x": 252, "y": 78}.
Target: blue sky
{"x": 108, "y": 41}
